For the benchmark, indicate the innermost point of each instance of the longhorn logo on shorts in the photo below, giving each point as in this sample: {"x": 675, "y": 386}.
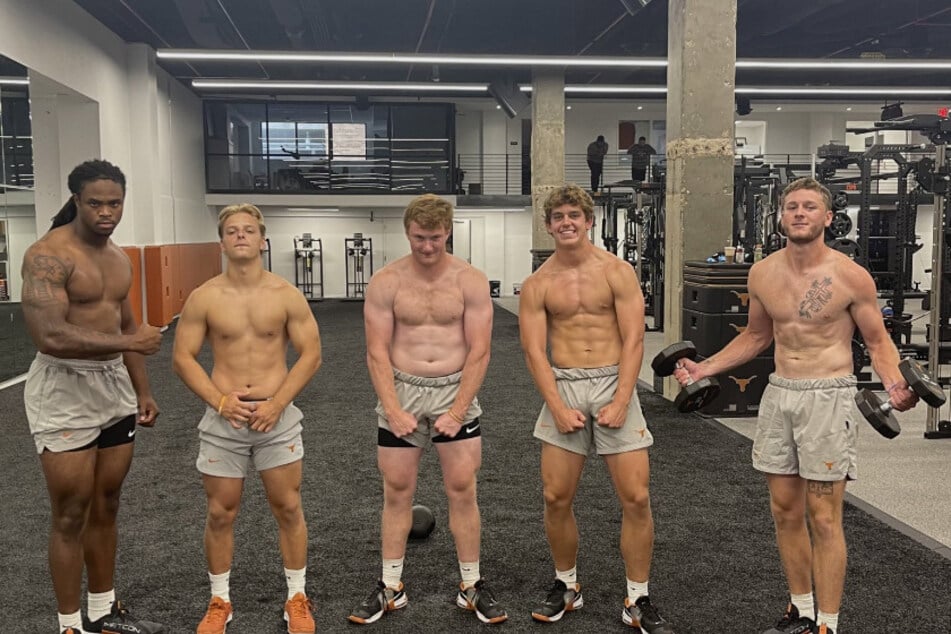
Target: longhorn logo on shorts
{"x": 743, "y": 383}
{"x": 291, "y": 447}
{"x": 828, "y": 465}
{"x": 642, "y": 432}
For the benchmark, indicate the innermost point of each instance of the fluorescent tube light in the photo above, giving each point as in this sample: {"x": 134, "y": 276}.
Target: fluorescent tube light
{"x": 337, "y": 85}
{"x": 411, "y": 58}
{"x": 536, "y": 60}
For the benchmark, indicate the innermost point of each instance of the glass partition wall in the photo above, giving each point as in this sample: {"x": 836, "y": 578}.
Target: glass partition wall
{"x": 329, "y": 147}
{"x": 17, "y": 214}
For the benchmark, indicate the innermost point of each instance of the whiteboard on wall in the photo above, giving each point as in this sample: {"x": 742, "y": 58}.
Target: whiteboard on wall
{"x": 350, "y": 140}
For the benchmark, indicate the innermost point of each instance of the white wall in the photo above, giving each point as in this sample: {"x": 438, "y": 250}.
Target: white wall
{"x": 500, "y": 238}
{"x": 20, "y": 234}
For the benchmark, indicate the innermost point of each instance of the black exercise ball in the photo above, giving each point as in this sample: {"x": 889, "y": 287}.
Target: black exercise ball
{"x": 423, "y": 522}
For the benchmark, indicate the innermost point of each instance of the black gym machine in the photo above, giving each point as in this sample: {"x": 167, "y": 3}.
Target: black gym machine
{"x": 932, "y": 176}
{"x": 359, "y": 265}
{"x": 643, "y": 244}
{"x": 308, "y": 258}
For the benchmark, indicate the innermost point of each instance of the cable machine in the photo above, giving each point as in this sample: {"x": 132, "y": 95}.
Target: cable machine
{"x": 308, "y": 266}
{"x": 359, "y": 252}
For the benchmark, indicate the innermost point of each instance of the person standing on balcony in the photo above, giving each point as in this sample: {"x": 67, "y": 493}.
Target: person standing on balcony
{"x": 597, "y": 150}
{"x": 640, "y": 158}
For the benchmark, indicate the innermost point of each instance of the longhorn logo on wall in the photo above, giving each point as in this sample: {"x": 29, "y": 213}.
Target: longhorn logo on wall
{"x": 742, "y": 383}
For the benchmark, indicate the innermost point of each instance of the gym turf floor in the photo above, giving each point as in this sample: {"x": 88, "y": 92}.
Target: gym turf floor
{"x": 715, "y": 561}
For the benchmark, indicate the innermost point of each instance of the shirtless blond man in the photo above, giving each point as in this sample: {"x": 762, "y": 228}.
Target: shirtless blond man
{"x": 86, "y": 390}
{"x": 809, "y": 299}
{"x": 249, "y": 316}
{"x": 428, "y": 319}
{"x": 586, "y": 306}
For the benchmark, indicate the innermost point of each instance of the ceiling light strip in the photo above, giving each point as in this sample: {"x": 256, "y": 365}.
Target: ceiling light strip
{"x": 403, "y": 58}
{"x": 569, "y": 89}
{"x": 538, "y": 60}
{"x": 315, "y": 85}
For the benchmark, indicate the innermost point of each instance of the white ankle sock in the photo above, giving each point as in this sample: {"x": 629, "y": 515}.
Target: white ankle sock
{"x": 296, "y": 581}
{"x": 805, "y": 604}
{"x": 392, "y": 572}
{"x": 469, "y": 571}
{"x": 568, "y": 577}
{"x": 74, "y": 620}
{"x": 220, "y": 585}
{"x": 636, "y": 590}
{"x": 99, "y": 604}
{"x": 832, "y": 620}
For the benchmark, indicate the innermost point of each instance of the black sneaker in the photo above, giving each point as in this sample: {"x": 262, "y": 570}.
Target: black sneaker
{"x": 479, "y": 598}
{"x": 380, "y": 601}
{"x": 792, "y": 623}
{"x": 559, "y": 600}
{"x": 119, "y": 621}
{"x": 644, "y": 615}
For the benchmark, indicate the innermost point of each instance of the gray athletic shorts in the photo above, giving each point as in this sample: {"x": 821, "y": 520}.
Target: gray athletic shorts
{"x": 807, "y": 427}
{"x": 427, "y": 398}
{"x": 227, "y": 452}
{"x": 588, "y": 390}
{"x": 70, "y": 401}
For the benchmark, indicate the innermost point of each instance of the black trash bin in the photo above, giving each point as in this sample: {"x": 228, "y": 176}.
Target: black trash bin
{"x": 495, "y": 288}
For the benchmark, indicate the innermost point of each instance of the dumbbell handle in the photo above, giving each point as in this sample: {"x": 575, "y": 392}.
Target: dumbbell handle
{"x": 886, "y": 406}
{"x": 680, "y": 366}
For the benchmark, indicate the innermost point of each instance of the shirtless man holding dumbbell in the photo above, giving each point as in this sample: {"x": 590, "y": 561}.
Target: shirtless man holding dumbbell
{"x": 809, "y": 299}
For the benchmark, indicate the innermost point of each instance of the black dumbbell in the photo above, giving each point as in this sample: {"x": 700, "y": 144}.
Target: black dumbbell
{"x": 695, "y": 394}
{"x": 880, "y": 415}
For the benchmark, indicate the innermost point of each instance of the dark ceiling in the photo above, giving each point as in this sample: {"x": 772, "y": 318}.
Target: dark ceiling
{"x": 895, "y": 29}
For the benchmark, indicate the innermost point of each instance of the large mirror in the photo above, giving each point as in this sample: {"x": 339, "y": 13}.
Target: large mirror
{"x": 17, "y": 213}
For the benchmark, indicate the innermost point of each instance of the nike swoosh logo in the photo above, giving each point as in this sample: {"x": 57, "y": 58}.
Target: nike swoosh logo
{"x": 469, "y": 430}
{"x": 131, "y": 433}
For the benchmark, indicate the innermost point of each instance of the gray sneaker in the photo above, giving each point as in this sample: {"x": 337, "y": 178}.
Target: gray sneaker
{"x": 644, "y": 615}
{"x": 560, "y": 599}
{"x": 380, "y": 601}
{"x": 480, "y": 599}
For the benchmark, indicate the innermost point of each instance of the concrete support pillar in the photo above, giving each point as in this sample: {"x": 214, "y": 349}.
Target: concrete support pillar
{"x": 548, "y": 152}
{"x": 701, "y": 56}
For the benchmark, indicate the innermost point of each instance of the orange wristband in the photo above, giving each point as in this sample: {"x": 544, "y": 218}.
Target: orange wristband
{"x": 455, "y": 416}
{"x": 221, "y": 403}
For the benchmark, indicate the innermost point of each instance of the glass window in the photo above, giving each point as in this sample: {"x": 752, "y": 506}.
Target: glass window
{"x": 421, "y": 147}
{"x": 340, "y": 147}
{"x": 234, "y": 128}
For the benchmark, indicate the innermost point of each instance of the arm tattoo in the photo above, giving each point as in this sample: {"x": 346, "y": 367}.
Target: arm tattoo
{"x": 819, "y": 489}
{"x": 816, "y": 298}
{"x": 41, "y": 276}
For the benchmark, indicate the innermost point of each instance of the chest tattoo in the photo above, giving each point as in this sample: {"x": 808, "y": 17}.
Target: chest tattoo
{"x": 816, "y": 298}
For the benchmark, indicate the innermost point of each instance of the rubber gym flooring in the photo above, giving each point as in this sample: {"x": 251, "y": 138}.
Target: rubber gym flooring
{"x": 715, "y": 562}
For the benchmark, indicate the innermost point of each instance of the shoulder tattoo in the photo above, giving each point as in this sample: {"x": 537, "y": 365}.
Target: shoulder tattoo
{"x": 816, "y": 298}
{"x": 41, "y": 275}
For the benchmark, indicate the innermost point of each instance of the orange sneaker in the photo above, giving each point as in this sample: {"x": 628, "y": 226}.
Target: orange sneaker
{"x": 297, "y": 613}
{"x": 216, "y": 618}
